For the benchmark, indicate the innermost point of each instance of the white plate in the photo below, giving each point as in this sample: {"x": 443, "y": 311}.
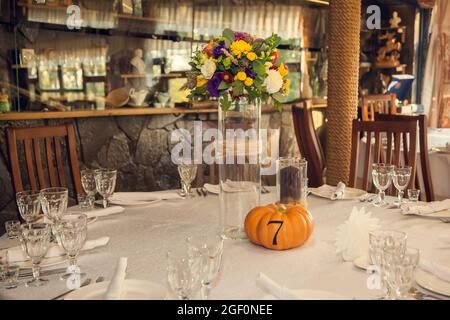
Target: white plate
{"x": 361, "y": 262}
{"x": 326, "y": 192}
{"x": 129, "y": 203}
{"x": 133, "y": 290}
{"x": 312, "y": 295}
{"x": 436, "y": 215}
{"x": 432, "y": 283}
{"x": 45, "y": 263}
{"x": 441, "y": 150}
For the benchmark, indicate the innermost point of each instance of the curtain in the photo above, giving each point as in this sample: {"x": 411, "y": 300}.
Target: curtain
{"x": 436, "y": 88}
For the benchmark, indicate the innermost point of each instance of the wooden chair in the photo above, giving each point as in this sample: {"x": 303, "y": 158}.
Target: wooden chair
{"x": 378, "y": 103}
{"x": 39, "y": 141}
{"x": 423, "y": 148}
{"x": 394, "y": 146}
{"x": 308, "y": 143}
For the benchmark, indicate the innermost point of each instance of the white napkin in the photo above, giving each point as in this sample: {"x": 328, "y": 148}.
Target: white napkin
{"x": 104, "y": 211}
{"x": 425, "y": 208}
{"x": 352, "y": 237}
{"x": 440, "y": 271}
{"x": 115, "y": 287}
{"x": 339, "y": 192}
{"x": 212, "y": 188}
{"x": 16, "y": 254}
{"x": 144, "y": 196}
{"x": 275, "y": 289}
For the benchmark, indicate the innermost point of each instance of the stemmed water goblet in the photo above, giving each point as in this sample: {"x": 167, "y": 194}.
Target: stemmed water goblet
{"x": 72, "y": 232}
{"x": 188, "y": 172}
{"x": 210, "y": 247}
{"x": 54, "y": 204}
{"x": 89, "y": 186}
{"x": 401, "y": 177}
{"x": 105, "y": 180}
{"x": 29, "y": 205}
{"x": 35, "y": 242}
{"x": 183, "y": 273}
{"x": 382, "y": 177}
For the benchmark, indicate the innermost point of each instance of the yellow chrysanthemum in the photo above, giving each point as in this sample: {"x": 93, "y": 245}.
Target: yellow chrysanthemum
{"x": 248, "y": 82}
{"x": 240, "y": 47}
{"x": 287, "y": 84}
{"x": 201, "y": 82}
{"x": 241, "y": 76}
{"x": 251, "y": 56}
{"x": 282, "y": 70}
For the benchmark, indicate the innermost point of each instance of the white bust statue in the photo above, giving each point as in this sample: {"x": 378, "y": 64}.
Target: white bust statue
{"x": 137, "y": 62}
{"x": 395, "y": 20}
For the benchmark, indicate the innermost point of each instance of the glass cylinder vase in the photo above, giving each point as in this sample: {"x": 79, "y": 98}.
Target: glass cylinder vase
{"x": 292, "y": 181}
{"x": 239, "y": 165}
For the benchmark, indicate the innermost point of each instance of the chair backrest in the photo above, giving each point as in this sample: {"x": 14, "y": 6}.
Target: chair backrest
{"x": 308, "y": 142}
{"x": 44, "y": 145}
{"x": 378, "y": 103}
{"x": 394, "y": 145}
{"x": 423, "y": 148}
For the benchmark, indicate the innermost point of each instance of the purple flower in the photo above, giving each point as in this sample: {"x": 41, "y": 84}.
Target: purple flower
{"x": 213, "y": 85}
{"x": 243, "y": 36}
{"x": 217, "y": 51}
{"x": 249, "y": 73}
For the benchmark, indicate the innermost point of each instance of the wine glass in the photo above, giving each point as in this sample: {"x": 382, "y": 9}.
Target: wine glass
{"x": 188, "y": 172}
{"x": 382, "y": 177}
{"x": 183, "y": 273}
{"x": 210, "y": 247}
{"x": 105, "y": 180}
{"x": 88, "y": 181}
{"x": 29, "y": 204}
{"x": 401, "y": 179}
{"x": 54, "y": 204}
{"x": 72, "y": 231}
{"x": 36, "y": 241}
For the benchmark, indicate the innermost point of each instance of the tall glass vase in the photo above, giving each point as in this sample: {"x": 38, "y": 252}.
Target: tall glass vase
{"x": 239, "y": 165}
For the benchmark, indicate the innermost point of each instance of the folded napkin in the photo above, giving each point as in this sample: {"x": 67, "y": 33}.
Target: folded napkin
{"x": 439, "y": 270}
{"x": 104, "y": 211}
{"x": 338, "y": 192}
{"x": 212, "y": 188}
{"x": 275, "y": 289}
{"x": 352, "y": 237}
{"x": 115, "y": 287}
{"x": 16, "y": 254}
{"x": 425, "y": 208}
{"x": 144, "y": 196}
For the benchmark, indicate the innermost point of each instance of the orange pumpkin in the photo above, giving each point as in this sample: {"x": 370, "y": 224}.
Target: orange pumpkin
{"x": 278, "y": 227}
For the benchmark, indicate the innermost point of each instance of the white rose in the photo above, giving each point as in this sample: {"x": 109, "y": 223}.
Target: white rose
{"x": 208, "y": 69}
{"x": 273, "y": 82}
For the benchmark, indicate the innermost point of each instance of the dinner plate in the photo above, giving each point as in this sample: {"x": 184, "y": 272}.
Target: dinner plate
{"x": 133, "y": 290}
{"x": 89, "y": 220}
{"x": 129, "y": 203}
{"x": 444, "y": 214}
{"x": 45, "y": 263}
{"x": 432, "y": 283}
{"x": 441, "y": 150}
{"x": 326, "y": 191}
{"x": 362, "y": 262}
{"x": 311, "y": 295}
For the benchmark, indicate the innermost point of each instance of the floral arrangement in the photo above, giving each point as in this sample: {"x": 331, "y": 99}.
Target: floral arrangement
{"x": 238, "y": 65}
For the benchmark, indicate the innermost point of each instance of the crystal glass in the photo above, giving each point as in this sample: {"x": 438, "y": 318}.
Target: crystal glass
{"x": 86, "y": 202}
{"x": 36, "y": 241}
{"x": 210, "y": 247}
{"x": 88, "y": 181}
{"x": 291, "y": 174}
{"x": 399, "y": 269}
{"x": 12, "y": 228}
{"x": 413, "y": 195}
{"x": 183, "y": 273}
{"x": 401, "y": 179}
{"x": 54, "y": 203}
{"x": 72, "y": 231}
{"x": 9, "y": 276}
{"x": 105, "y": 179}
{"x": 188, "y": 172}
{"x": 381, "y": 240}
{"x": 382, "y": 177}
{"x": 29, "y": 205}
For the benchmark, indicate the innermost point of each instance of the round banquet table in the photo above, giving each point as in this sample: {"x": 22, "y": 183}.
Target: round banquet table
{"x": 145, "y": 234}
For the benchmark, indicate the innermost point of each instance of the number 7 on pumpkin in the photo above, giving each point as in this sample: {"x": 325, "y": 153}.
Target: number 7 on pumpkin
{"x": 280, "y": 222}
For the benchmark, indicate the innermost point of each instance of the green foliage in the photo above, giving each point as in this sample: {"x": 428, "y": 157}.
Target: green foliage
{"x": 225, "y": 102}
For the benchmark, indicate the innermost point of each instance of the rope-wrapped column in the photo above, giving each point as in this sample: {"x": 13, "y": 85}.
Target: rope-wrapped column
{"x": 343, "y": 70}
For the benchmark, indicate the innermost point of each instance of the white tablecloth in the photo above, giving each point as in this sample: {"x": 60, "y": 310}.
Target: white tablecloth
{"x": 145, "y": 234}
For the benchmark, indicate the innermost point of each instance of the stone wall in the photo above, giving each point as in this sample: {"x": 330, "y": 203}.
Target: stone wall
{"x": 137, "y": 146}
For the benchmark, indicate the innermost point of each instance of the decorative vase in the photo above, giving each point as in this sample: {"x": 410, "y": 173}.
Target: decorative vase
{"x": 239, "y": 165}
